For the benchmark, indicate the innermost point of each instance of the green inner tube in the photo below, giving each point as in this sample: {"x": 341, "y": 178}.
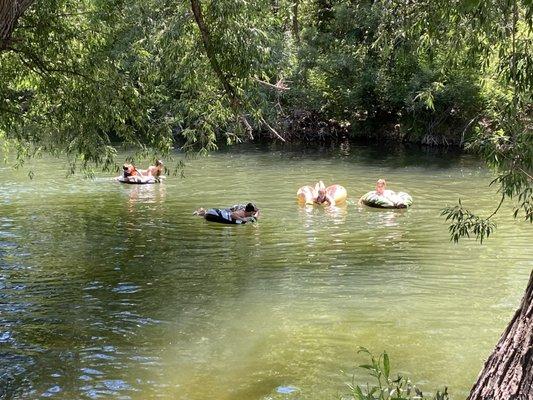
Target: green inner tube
{"x": 390, "y": 199}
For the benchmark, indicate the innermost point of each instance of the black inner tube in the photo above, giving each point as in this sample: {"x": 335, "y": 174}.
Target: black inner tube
{"x": 220, "y": 220}
{"x": 138, "y": 183}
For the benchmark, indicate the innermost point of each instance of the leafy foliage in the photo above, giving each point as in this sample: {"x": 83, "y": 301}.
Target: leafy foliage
{"x": 385, "y": 387}
{"x": 464, "y": 223}
{"x": 81, "y": 76}
{"x": 507, "y": 146}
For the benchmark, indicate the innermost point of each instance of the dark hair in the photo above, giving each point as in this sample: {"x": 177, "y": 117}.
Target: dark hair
{"x": 250, "y": 207}
{"x": 125, "y": 167}
{"x": 158, "y": 163}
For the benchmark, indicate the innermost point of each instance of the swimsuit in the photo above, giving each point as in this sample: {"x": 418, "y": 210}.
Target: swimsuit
{"x": 318, "y": 200}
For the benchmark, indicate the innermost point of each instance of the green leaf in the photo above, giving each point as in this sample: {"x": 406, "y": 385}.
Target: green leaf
{"x": 358, "y": 393}
{"x": 386, "y": 365}
{"x": 362, "y": 349}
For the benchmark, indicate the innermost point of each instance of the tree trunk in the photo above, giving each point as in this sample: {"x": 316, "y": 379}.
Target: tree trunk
{"x": 295, "y": 24}
{"x": 10, "y": 12}
{"x": 508, "y": 373}
{"x": 211, "y": 55}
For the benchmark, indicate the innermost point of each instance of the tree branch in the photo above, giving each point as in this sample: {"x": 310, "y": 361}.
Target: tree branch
{"x": 235, "y": 102}
{"x": 497, "y": 208}
{"x": 280, "y": 85}
{"x": 272, "y": 130}
{"x": 37, "y": 65}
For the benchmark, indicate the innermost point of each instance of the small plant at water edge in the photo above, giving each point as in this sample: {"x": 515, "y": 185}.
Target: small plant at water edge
{"x": 385, "y": 387}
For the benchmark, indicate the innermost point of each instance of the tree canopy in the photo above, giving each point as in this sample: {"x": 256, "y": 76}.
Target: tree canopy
{"x": 79, "y": 75}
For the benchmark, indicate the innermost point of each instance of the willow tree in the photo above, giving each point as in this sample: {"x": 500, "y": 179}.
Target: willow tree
{"x": 79, "y": 76}
{"x": 10, "y": 12}
{"x": 71, "y": 81}
{"x": 244, "y": 45}
{"x": 501, "y": 32}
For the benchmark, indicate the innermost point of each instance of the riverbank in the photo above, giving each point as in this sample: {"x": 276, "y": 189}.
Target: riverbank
{"x": 312, "y": 127}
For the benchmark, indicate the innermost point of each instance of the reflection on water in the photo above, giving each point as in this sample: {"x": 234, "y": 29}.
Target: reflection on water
{"x": 319, "y": 214}
{"x": 147, "y": 193}
{"x": 118, "y": 291}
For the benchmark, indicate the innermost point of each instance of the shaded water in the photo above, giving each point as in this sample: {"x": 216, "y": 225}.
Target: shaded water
{"x": 117, "y": 291}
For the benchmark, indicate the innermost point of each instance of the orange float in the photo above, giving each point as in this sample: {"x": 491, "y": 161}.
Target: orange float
{"x": 338, "y": 193}
{"x": 307, "y": 194}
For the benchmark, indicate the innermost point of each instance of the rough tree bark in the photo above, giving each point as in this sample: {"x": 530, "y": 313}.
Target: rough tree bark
{"x": 508, "y": 373}
{"x": 211, "y": 55}
{"x": 10, "y": 12}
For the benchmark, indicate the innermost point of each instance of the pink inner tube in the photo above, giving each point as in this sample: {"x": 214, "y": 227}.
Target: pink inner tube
{"x": 306, "y": 194}
{"x": 338, "y": 193}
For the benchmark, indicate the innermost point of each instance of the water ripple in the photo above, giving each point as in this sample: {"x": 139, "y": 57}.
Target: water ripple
{"x": 111, "y": 291}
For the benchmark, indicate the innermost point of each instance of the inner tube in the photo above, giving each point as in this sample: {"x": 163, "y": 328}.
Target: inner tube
{"x": 389, "y": 199}
{"x": 306, "y": 194}
{"x": 220, "y": 220}
{"x": 338, "y": 193}
{"x": 144, "y": 181}
{"x": 221, "y": 217}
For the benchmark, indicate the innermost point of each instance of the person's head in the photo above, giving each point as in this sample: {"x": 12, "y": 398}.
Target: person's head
{"x": 380, "y": 186}
{"x": 159, "y": 163}
{"x": 322, "y": 192}
{"x": 125, "y": 167}
{"x": 250, "y": 208}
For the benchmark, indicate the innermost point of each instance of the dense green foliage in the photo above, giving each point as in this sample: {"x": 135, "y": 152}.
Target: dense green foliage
{"x": 79, "y": 75}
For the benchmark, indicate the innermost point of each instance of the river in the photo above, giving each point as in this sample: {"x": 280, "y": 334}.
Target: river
{"x": 118, "y": 291}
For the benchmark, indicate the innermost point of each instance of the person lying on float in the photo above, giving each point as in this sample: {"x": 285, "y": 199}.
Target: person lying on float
{"x": 239, "y": 214}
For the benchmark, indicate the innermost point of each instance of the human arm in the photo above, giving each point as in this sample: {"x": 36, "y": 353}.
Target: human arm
{"x": 330, "y": 200}
{"x": 243, "y": 216}
{"x": 237, "y": 215}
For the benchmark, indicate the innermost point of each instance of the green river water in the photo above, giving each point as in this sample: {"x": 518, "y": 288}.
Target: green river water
{"x": 118, "y": 291}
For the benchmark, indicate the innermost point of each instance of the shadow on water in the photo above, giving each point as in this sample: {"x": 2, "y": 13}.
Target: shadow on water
{"x": 395, "y": 155}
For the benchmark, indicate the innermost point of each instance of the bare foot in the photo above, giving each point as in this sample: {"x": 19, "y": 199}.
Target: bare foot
{"x": 200, "y": 212}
